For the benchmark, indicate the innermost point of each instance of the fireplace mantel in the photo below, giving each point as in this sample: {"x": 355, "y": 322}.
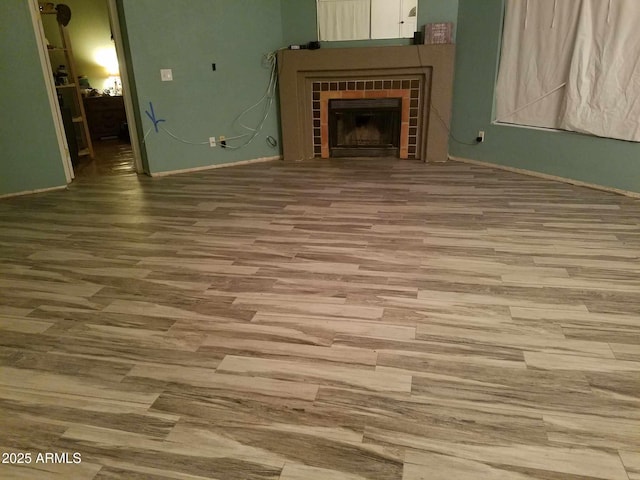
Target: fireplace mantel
{"x": 431, "y": 64}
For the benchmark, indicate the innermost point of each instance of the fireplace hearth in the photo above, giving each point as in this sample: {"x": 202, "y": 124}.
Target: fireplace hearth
{"x": 367, "y": 127}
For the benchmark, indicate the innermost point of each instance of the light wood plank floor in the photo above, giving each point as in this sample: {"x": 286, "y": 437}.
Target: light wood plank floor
{"x": 328, "y": 320}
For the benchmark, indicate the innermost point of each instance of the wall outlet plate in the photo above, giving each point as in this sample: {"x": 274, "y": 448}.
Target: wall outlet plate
{"x": 166, "y": 75}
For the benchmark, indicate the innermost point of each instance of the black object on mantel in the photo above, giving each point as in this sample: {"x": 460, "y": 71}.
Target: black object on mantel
{"x": 308, "y": 46}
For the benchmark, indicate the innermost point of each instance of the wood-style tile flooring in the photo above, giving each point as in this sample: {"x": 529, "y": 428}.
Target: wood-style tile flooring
{"x": 111, "y": 157}
{"x": 328, "y": 320}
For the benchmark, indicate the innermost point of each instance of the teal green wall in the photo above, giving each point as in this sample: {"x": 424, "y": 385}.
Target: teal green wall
{"x": 606, "y": 162}
{"x": 199, "y": 103}
{"x": 435, "y": 11}
{"x": 299, "y": 22}
{"x": 29, "y": 155}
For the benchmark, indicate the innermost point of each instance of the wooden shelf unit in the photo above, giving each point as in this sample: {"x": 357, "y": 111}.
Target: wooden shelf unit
{"x": 70, "y": 92}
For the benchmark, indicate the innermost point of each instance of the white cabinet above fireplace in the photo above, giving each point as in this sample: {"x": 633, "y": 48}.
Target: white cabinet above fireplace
{"x": 366, "y": 19}
{"x": 393, "y": 18}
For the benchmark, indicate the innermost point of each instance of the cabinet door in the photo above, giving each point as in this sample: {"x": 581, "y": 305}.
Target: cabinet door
{"x": 408, "y": 18}
{"x": 385, "y": 18}
{"x": 393, "y": 18}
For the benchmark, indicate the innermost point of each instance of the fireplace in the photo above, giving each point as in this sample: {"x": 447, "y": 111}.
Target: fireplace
{"x": 368, "y": 127}
{"x": 420, "y": 75}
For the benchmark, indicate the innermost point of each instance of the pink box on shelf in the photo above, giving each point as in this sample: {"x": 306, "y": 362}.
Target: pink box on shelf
{"x": 438, "y": 33}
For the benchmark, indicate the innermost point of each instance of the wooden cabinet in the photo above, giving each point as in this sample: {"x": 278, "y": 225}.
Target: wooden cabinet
{"x": 105, "y": 116}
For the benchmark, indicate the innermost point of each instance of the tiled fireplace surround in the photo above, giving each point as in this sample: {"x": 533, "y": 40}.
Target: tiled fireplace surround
{"x": 408, "y": 89}
{"x": 420, "y": 75}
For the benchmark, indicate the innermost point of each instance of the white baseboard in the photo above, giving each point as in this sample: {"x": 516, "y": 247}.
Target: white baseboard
{"x": 31, "y": 192}
{"x": 218, "y": 165}
{"x": 546, "y": 176}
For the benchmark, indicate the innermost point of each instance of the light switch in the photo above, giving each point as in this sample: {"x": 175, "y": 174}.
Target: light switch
{"x": 166, "y": 75}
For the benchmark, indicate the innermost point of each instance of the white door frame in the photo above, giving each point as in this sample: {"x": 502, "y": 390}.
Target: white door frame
{"x": 53, "y": 98}
{"x": 51, "y": 90}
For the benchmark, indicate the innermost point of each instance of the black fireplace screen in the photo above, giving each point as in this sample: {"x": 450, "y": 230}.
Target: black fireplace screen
{"x": 364, "y": 127}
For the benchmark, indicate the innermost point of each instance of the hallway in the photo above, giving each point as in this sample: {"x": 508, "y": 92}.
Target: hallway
{"x": 112, "y": 157}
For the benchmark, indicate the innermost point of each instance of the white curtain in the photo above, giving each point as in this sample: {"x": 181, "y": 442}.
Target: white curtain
{"x": 537, "y": 45}
{"x": 344, "y": 19}
{"x": 603, "y": 88}
{"x": 573, "y": 65}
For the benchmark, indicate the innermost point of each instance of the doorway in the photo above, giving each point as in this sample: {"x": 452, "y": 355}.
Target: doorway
{"x": 92, "y": 106}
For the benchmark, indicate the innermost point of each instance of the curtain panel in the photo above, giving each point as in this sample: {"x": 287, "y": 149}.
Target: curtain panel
{"x": 344, "y": 19}
{"x": 571, "y": 65}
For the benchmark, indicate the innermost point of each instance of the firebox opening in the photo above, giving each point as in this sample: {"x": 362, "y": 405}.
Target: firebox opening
{"x": 364, "y": 127}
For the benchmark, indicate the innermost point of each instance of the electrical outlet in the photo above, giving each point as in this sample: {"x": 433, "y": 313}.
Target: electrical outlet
{"x": 223, "y": 141}
{"x": 166, "y": 75}
{"x": 480, "y": 137}
{"x": 212, "y": 142}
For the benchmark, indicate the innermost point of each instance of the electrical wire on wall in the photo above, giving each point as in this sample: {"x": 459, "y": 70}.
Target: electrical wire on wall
{"x": 266, "y": 102}
{"x": 172, "y": 135}
{"x": 151, "y": 113}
